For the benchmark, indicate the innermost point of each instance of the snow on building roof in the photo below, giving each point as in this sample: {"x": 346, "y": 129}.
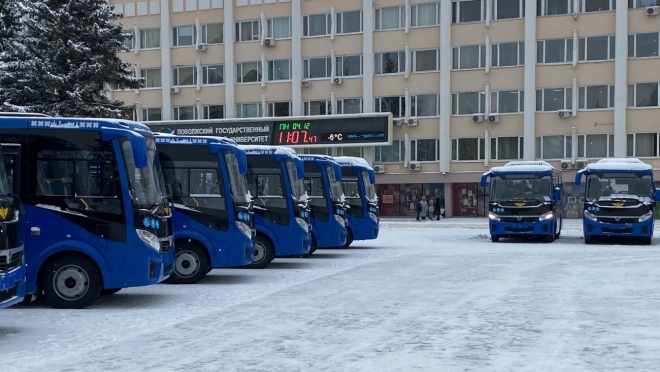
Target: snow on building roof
{"x": 352, "y": 161}
{"x": 619, "y": 164}
{"x": 268, "y": 150}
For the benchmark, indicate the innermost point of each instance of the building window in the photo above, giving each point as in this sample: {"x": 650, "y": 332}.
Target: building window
{"x": 248, "y": 72}
{"x": 213, "y": 33}
{"x": 424, "y": 150}
{"x": 554, "y": 99}
{"x": 552, "y": 147}
{"x": 507, "y": 101}
{"x": 425, "y": 60}
{"x": 554, "y": 51}
{"x": 129, "y": 40}
{"x": 213, "y": 112}
{"x": 643, "y": 45}
{"x": 151, "y": 77}
{"x": 424, "y": 105}
{"x": 596, "y": 48}
{"x": 643, "y": 95}
{"x": 214, "y": 74}
{"x": 248, "y": 110}
{"x": 248, "y": 31}
{"x": 593, "y": 146}
{"x": 279, "y": 109}
{"x": 349, "y": 22}
{"x": 468, "y": 103}
{"x": 390, "y": 18}
{"x": 598, "y": 5}
{"x": 643, "y": 145}
{"x": 184, "y": 36}
{"x": 395, "y": 105}
{"x": 390, "y": 63}
{"x": 467, "y": 149}
{"x": 317, "y": 25}
{"x": 508, "y": 9}
{"x": 349, "y": 106}
{"x": 317, "y": 108}
{"x": 596, "y": 97}
{"x": 184, "y": 76}
{"x": 349, "y": 65}
{"x": 152, "y": 114}
{"x": 279, "y": 28}
{"x": 425, "y": 14}
{"x": 184, "y": 113}
{"x": 506, "y": 148}
{"x": 395, "y": 153}
{"x": 469, "y": 57}
{"x": 468, "y": 11}
{"x": 150, "y": 38}
{"x": 552, "y": 7}
{"x": 279, "y": 70}
{"x": 508, "y": 54}
{"x": 642, "y": 3}
{"x": 317, "y": 68}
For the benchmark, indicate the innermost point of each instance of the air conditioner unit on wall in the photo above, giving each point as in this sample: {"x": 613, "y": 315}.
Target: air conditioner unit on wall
{"x": 412, "y": 122}
{"x": 566, "y": 165}
{"x": 337, "y": 81}
{"x": 269, "y": 42}
{"x": 653, "y": 10}
{"x": 201, "y": 47}
{"x": 581, "y": 164}
{"x": 306, "y": 83}
{"x": 564, "y": 113}
{"x": 175, "y": 90}
{"x": 494, "y": 118}
{"x": 397, "y": 121}
{"x": 478, "y": 118}
{"x": 379, "y": 169}
{"x": 414, "y": 166}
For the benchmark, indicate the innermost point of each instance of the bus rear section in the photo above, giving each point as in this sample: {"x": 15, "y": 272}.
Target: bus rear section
{"x": 12, "y": 257}
{"x": 213, "y": 218}
{"x": 281, "y": 207}
{"x": 358, "y": 179}
{"x": 95, "y": 219}
{"x": 328, "y": 211}
{"x": 525, "y": 200}
{"x": 619, "y": 199}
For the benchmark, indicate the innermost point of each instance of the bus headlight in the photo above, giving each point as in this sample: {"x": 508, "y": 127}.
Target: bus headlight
{"x": 303, "y": 224}
{"x": 373, "y": 217}
{"x": 245, "y": 229}
{"x": 340, "y": 220}
{"x": 546, "y": 216}
{"x": 645, "y": 217}
{"x": 149, "y": 239}
{"x": 590, "y": 216}
{"x": 493, "y": 216}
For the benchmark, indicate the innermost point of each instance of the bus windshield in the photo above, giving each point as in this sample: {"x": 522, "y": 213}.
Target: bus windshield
{"x": 236, "y": 179}
{"x": 5, "y": 189}
{"x": 606, "y": 186}
{"x": 521, "y": 186}
{"x": 369, "y": 189}
{"x": 335, "y": 186}
{"x": 145, "y": 183}
{"x": 297, "y": 187}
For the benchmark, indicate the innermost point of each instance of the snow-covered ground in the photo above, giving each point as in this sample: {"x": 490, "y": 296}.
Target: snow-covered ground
{"x": 427, "y": 296}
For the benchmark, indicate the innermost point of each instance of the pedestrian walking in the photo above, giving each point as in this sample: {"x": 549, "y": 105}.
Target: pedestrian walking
{"x": 418, "y": 208}
{"x": 425, "y": 208}
{"x": 436, "y": 208}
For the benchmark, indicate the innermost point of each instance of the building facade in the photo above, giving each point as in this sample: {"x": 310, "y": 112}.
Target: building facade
{"x": 473, "y": 83}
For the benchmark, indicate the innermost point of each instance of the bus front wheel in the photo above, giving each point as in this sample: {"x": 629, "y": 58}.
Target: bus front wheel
{"x": 349, "y": 238}
{"x": 312, "y": 248}
{"x": 494, "y": 238}
{"x": 190, "y": 264}
{"x": 71, "y": 282}
{"x": 264, "y": 253}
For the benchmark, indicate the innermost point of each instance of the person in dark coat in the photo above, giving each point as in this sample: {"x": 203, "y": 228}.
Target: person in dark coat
{"x": 418, "y": 208}
{"x": 436, "y": 208}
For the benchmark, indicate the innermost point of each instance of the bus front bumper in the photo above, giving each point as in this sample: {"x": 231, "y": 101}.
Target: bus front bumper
{"x": 12, "y": 287}
{"x": 520, "y": 229}
{"x": 641, "y": 229}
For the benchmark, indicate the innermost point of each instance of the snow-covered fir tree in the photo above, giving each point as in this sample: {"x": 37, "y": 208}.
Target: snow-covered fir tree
{"x": 67, "y": 58}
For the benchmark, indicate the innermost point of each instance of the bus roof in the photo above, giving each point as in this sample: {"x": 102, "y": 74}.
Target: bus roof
{"x": 171, "y": 139}
{"x": 619, "y": 165}
{"x": 315, "y": 157}
{"x": 268, "y": 150}
{"x": 352, "y": 161}
{"x": 537, "y": 166}
{"x": 42, "y": 122}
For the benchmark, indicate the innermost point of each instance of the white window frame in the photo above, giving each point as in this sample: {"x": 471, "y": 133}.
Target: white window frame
{"x": 414, "y": 60}
{"x": 176, "y": 110}
{"x": 306, "y": 68}
{"x": 378, "y": 23}
{"x": 566, "y": 151}
{"x": 271, "y": 66}
{"x": 401, "y": 63}
{"x": 496, "y": 53}
{"x": 145, "y": 112}
{"x": 495, "y": 100}
{"x": 521, "y": 13}
{"x": 636, "y": 5}
{"x": 632, "y": 95}
{"x": 239, "y": 34}
{"x": 130, "y": 39}
{"x": 239, "y": 109}
{"x": 271, "y": 107}
{"x": 632, "y": 150}
{"x": 239, "y": 66}
{"x": 582, "y": 98}
{"x": 143, "y": 37}
{"x": 307, "y": 107}
{"x": 402, "y": 105}
{"x": 413, "y": 104}
{"x": 395, "y": 142}
{"x": 632, "y": 42}
{"x": 340, "y": 105}
{"x": 585, "y": 40}
{"x": 339, "y": 67}
{"x": 457, "y": 14}
{"x": 495, "y": 145}
{"x": 175, "y": 36}
{"x": 568, "y": 52}
{"x": 340, "y": 22}
{"x": 205, "y": 36}
{"x": 583, "y": 7}
{"x": 481, "y": 149}
{"x": 271, "y": 32}
{"x": 413, "y": 154}
{"x": 455, "y": 103}
{"x": 414, "y": 15}
{"x": 540, "y": 12}
{"x": 456, "y": 57}
{"x": 206, "y": 111}
{"x": 144, "y": 73}
{"x": 568, "y": 101}
{"x": 328, "y": 24}
{"x": 205, "y": 76}
{"x": 175, "y": 71}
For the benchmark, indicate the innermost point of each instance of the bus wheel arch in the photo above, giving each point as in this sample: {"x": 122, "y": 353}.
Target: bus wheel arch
{"x": 264, "y": 251}
{"x": 192, "y": 262}
{"x": 349, "y": 237}
{"x": 70, "y": 274}
{"x": 312, "y": 246}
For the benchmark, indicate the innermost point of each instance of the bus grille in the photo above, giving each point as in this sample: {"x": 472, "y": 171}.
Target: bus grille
{"x": 14, "y": 261}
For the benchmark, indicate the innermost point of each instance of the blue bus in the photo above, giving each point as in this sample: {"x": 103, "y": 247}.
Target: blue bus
{"x": 12, "y": 258}
{"x": 205, "y": 179}
{"x": 96, "y": 218}
{"x": 525, "y": 200}
{"x": 619, "y": 199}
{"x": 357, "y": 180}
{"x": 327, "y": 202}
{"x": 281, "y": 206}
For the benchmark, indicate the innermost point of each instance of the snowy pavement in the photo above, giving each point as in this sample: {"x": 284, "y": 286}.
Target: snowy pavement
{"x": 425, "y": 296}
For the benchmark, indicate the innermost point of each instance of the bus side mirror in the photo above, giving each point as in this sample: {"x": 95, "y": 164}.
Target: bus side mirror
{"x": 657, "y": 195}
{"x": 557, "y": 195}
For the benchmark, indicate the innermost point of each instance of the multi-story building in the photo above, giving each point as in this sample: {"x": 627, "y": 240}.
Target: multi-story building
{"x": 476, "y": 83}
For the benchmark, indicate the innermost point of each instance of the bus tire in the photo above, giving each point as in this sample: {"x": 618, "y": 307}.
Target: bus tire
{"x": 646, "y": 240}
{"x": 349, "y": 238}
{"x": 312, "y": 248}
{"x": 588, "y": 239}
{"x": 494, "y": 238}
{"x": 190, "y": 264}
{"x": 264, "y": 253}
{"x": 109, "y": 291}
{"x": 550, "y": 238}
{"x": 71, "y": 282}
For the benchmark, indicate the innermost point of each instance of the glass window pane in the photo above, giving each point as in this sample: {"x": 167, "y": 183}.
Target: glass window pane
{"x": 317, "y": 68}
{"x": 553, "y": 99}
{"x": 469, "y": 11}
{"x": 426, "y": 60}
{"x": 351, "y": 66}
{"x": 425, "y": 15}
{"x": 389, "y": 153}
{"x": 646, "y": 45}
{"x": 508, "y": 102}
{"x": 597, "y": 97}
{"x": 553, "y": 7}
{"x": 469, "y": 57}
{"x": 426, "y": 150}
{"x": 507, "y": 148}
{"x": 555, "y": 51}
{"x": 350, "y": 22}
{"x": 426, "y": 105}
{"x": 389, "y": 18}
{"x": 553, "y": 147}
{"x": 597, "y": 48}
{"x": 646, "y": 144}
{"x": 214, "y": 33}
{"x": 596, "y": 145}
{"x": 468, "y": 103}
{"x": 352, "y": 106}
{"x": 646, "y": 94}
{"x": 596, "y": 5}
{"x": 468, "y": 149}
{"x": 507, "y": 9}
{"x": 508, "y": 54}
{"x": 390, "y": 63}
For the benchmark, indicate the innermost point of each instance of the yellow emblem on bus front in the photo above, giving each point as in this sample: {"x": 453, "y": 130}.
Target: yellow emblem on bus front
{"x": 3, "y": 212}
{"x": 520, "y": 204}
{"x": 618, "y": 204}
